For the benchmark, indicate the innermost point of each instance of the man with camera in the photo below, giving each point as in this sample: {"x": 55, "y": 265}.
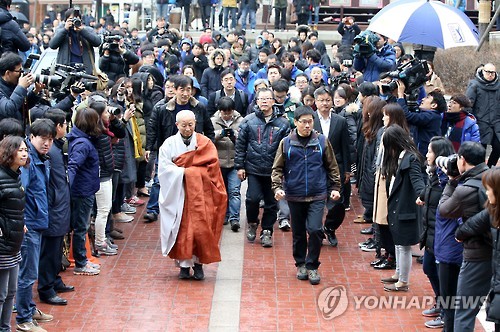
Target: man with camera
{"x": 14, "y": 87}
{"x": 373, "y": 55}
{"x": 75, "y": 42}
{"x": 462, "y": 199}
{"x": 427, "y": 119}
{"x": 349, "y": 30}
{"x": 116, "y": 59}
{"x": 12, "y": 39}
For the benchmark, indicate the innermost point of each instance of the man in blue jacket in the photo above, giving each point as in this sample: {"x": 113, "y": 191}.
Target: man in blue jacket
{"x": 35, "y": 180}
{"x": 382, "y": 58}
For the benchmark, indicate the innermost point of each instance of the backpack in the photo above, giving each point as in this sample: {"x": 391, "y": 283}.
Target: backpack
{"x": 242, "y": 96}
{"x": 481, "y": 191}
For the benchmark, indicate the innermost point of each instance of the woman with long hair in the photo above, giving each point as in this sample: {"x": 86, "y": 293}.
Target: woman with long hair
{"x": 402, "y": 168}
{"x": 13, "y": 156}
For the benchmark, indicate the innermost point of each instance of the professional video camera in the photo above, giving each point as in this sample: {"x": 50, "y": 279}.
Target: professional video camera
{"x": 344, "y": 77}
{"x": 60, "y": 78}
{"x": 365, "y": 44}
{"x": 449, "y": 164}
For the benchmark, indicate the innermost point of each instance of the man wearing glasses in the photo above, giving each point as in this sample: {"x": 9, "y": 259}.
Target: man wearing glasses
{"x": 484, "y": 93}
{"x": 14, "y": 87}
{"x": 259, "y": 136}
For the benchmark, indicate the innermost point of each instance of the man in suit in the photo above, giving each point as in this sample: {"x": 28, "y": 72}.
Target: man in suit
{"x": 334, "y": 127}
{"x": 240, "y": 98}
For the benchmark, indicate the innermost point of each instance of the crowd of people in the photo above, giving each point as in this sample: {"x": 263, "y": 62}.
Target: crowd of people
{"x": 184, "y": 122}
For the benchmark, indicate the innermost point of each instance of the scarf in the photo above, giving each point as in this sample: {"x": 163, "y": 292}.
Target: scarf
{"x": 138, "y": 153}
{"x": 454, "y": 126}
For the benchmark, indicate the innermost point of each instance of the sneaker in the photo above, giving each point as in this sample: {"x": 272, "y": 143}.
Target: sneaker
{"x": 128, "y": 209}
{"x": 114, "y": 234}
{"x": 436, "y": 323}
{"x": 87, "y": 270}
{"x": 198, "y": 272}
{"x": 252, "y": 232}
{"x": 122, "y": 217}
{"x": 302, "y": 273}
{"x": 94, "y": 265}
{"x": 105, "y": 250}
{"x": 29, "y": 326}
{"x": 370, "y": 247}
{"x": 150, "y": 217}
{"x": 266, "y": 239}
{"x": 134, "y": 201}
{"x": 111, "y": 244}
{"x": 313, "y": 276}
{"x": 367, "y": 242}
{"x": 432, "y": 312}
{"x": 284, "y": 225}
{"x": 39, "y": 316}
{"x": 235, "y": 225}
{"x": 149, "y": 184}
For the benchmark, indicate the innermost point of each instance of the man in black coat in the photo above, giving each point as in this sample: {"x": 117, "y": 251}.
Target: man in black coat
{"x": 228, "y": 82}
{"x": 116, "y": 59}
{"x": 334, "y": 127}
{"x": 12, "y": 39}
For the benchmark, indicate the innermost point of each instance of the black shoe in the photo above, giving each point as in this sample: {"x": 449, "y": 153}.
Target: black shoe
{"x": 371, "y": 247}
{"x": 116, "y": 235}
{"x": 377, "y": 261}
{"x": 65, "y": 289}
{"x": 387, "y": 264}
{"x": 150, "y": 217}
{"x": 235, "y": 225}
{"x": 420, "y": 260}
{"x": 56, "y": 300}
{"x": 331, "y": 237}
{"x": 184, "y": 274}
{"x": 198, "y": 272}
{"x": 367, "y": 231}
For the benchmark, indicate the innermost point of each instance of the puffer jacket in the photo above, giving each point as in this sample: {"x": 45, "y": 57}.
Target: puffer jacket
{"x": 485, "y": 98}
{"x": 12, "y": 37}
{"x": 470, "y": 130}
{"x": 116, "y": 65}
{"x": 461, "y": 201}
{"x": 210, "y": 79}
{"x": 379, "y": 62}
{"x": 430, "y": 196}
{"x": 224, "y": 144}
{"x": 12, "y": 202}
{"x": 258, "y": 142}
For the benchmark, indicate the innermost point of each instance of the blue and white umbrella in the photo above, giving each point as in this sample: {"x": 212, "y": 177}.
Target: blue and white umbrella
{"x": 426, "y": 22}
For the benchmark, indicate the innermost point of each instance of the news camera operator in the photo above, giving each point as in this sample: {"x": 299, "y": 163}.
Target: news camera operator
{"x": 75, "y": 41}
{"x": 14, "y": 86}
{"x": 373, "y": 55}
{"x": 115, "y": 58}
{"x": 463, "y": 197}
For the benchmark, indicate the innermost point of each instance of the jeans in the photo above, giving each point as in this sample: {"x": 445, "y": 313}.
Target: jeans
{"x": 28, "y": 274}
{"x": 403, "y": 262}
{"x": 245, "y": 11}
{"x": 164, "y": 10}
{"x": 307, "y": 218}
{"x": 259, "y": 187}
{"x": 104, "y": 200}
{"x": 448, "y": 275}
{"x": 284, "y": 210}
{"x": 473, "y": 282}
{"x": 316, "y": 16}
{"x": 8, "y": 287}
{"x": 80, "y": 217}
{"x": 431, "y": 270}
{"x": 233, "y": 184}
{"x": 154, "y": 193}
{"x": 279, "y": 18}
{"x": 232, "y": 11}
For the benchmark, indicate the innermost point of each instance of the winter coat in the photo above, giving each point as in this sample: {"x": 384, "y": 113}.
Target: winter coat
{"x": 35, "y": 180}
{"x": 129, "y": 170}
{"x": 325, "y": 59}
{"x": 258, "y": 141}
{"x": 105, "y": 149}
{"x": 12, "y": 203}
{"x": 461, "y": 201}
{"x": 210, "y": 80}
{"x": 12, "y": 37}
{"x": 247, "y": 85}
{"x": 12, "y": 99}
{"x": 493, "y": 300}
{"x": 377, "y": 63}
{"x": 430, "y": 196}
{"x": 89, "y": 40}
{"x": 83, "y": 164}
{"x": 427, "y": 123}
{"x": 240, "y": 101}
{"x": 224, "y": 144}
{"x": 470, "y": 130}
{"x": 402, "y": 211}
{"x": 58, "y": 192}
{"x": 348, "y": 33}
{"x": 280, "y": 4}
{"x": 117, "y": 65}
{"x": 485, "y": 98}
{"x": 323, "y": 71}
{"x": 366, "y": 173}
{"x": 199, "y": 66}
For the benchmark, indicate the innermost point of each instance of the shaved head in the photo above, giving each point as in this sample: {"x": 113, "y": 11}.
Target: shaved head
{"x": 185, "y": 115}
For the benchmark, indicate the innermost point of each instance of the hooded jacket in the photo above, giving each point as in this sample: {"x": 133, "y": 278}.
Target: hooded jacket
{"x": 224, "y": 144}
{"x": 485, "y": 98}
{"x": 210, "y": 80}
{"x": 377, "y": 63}
{"x": 12, "y": 37}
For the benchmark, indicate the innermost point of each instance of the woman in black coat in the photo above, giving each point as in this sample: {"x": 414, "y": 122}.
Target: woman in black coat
{"x": 13, "y": 155}
{"x": 402, "y": 168}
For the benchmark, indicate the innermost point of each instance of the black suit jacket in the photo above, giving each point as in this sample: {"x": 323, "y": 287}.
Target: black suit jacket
{"x": 339, "y": 139}
{"x": 240, "y": 101}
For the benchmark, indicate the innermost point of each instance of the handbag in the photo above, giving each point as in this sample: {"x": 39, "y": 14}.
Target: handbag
{"x": 102, "y": 78}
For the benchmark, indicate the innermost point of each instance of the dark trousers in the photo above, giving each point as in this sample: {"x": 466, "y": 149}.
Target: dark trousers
{"x": 259, "y": 187}
{"x": 141, "y": 173}
{"x": 302, "y": 18}
{"x": 50, "y": 266}
{"x": 336, "y": 209}
{"x": 307, "y": 219}
{"x": 205, "y": 15}
{"x": 473, "y": 282}
{"x": 386, "y": 240}
{"x": 495, "y": 152}
{"x": 431, "y": 270}
{"x": 280, "y": 18}
{"x": 448, "y": 276}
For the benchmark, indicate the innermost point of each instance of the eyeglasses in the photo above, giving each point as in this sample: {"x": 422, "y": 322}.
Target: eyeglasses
{"x": 489, "y": 72}
{"x": 305, "y": 122}
{"x": 18, "y": 71}
{"x": 265, "y": 99}
{"x": 320, "y": 101}
{"x": 279, "y": 97}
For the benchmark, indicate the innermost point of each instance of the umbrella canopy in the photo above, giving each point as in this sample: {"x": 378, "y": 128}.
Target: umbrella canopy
{"x": 426, "y": 22}
{"x": 20, "y": 17}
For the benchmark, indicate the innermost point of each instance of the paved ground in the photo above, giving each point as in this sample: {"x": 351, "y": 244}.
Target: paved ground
{"x": 252, "y": 289}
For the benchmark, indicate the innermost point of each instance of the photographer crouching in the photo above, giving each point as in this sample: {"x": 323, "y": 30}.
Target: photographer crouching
{"x": 75, "y": 41}
{"x": 373, "y": 55}
{"x": 115, "y": 58}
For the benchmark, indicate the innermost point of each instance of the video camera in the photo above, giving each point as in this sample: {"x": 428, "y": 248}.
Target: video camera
{"x": 413, "y": 74}
{"x": 59, "y": 79}
{"x": 365, "y": 44}
{"x": 344, "y": 77}
{"x": 449, "y": 164}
